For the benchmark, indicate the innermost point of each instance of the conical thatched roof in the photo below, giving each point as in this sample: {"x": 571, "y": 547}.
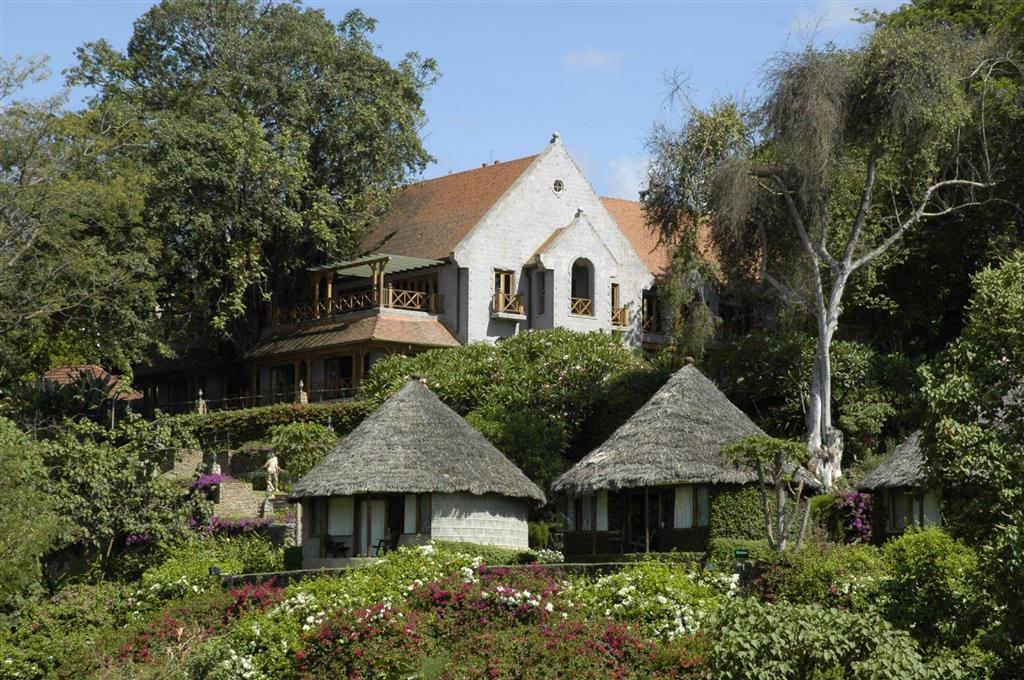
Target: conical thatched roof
{"x": 903, "y": 467}
{"x": 675, "y": 438}
{"x": 415, "y": 444}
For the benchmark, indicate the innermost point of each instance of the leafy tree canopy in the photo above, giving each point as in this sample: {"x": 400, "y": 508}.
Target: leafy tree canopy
{"x": 273, "y": 137}
{"x": 30, "y": 523}
{"x": 974, "y": 434}
{"x": 76, "y": 279}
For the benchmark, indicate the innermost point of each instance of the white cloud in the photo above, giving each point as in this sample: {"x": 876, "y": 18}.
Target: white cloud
{"x": 628, "y": 176}
{"x": 591, "y": 60}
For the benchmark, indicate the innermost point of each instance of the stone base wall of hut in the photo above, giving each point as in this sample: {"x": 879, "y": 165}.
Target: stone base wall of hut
{"x": 489, "y": 519}
{"x": 609, "y": 543}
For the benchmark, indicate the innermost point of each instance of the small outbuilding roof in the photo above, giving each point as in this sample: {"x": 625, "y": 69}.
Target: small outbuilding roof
{"x": 904, "y": 467}
{"x": 677, "y": 437}
{"x": 413, "y": 443}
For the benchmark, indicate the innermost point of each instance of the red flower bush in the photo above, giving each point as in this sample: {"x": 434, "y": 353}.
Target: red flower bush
{"x": 379, "y": 641}
{"x": 252, "y": 596}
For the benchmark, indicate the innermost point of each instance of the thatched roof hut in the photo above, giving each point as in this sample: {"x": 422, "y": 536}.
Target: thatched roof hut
{"x": 675, "y": 438}
{"x": 904, "y": 467}
{"x": 413, "y": 443}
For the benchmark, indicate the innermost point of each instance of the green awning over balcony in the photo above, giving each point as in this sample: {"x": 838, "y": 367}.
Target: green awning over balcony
{"x": 393, "y": 264}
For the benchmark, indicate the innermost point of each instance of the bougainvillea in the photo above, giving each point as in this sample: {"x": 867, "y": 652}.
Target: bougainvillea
{"x": 854, "y": 510}
{"x": 207, "y": 481}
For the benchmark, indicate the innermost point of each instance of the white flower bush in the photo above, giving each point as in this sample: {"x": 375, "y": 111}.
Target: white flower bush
{"x": 663, "y": 599}
{"x": 547, "y": 556}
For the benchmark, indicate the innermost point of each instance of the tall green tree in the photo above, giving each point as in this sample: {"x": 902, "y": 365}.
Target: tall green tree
{"x": 274, "y": 137}
{"x": 936, "y": 264}
{"x": 31, "y": 524}
{"x": 76, "y": 280}
{"x": 847, "y": 152}
{"x": 974, "y": 437}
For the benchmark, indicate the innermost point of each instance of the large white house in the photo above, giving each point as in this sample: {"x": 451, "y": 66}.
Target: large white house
{"x": 473, "y": 256}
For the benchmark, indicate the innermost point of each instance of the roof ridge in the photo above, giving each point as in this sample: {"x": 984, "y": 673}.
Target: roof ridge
{"x": 493, "y": 164}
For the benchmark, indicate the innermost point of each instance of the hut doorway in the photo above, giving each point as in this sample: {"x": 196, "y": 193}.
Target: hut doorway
{"x": 374, "y": 517}
{"x": 648, "y": 511}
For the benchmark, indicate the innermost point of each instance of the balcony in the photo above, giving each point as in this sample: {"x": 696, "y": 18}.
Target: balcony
{"x": 620, "y": 317}
{"x": 391, "y": 298}
{"x": 654, "y": 332}
{"x": 581, "y": 306}
{"x": 507, "y": 306}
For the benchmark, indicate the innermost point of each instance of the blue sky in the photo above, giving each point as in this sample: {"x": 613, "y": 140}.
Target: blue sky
{"x": 512, "y": 73}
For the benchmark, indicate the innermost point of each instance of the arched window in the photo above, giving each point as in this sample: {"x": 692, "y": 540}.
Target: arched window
{"x": 581, "y": 301}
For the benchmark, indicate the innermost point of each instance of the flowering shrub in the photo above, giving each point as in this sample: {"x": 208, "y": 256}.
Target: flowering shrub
{"x": 841, "y": 576}
{"x": 564, "y": 648}
{"x": 486, "y": 597}
{"x": 854, "y": 510}
{"x": 379, "y": 641}
{"x": 207, "y": 481}
{"x": 172, "y": 631}
{"x": 549, "y": 556}
{"x": 258, "y": 596}
{"x": 662, "y": 599}
{"x": 187, "y": 572}
{"x": 217, "y": 526}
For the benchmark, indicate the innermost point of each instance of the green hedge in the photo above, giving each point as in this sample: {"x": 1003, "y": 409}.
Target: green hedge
{"x": 737, "y": 513}
{"x": 681, "y": 557}
{"x": 721, "y": 551}
{"x": 228, "y": 429}
{"x": 491, "y": 554}
{"x": 293, "y": 558}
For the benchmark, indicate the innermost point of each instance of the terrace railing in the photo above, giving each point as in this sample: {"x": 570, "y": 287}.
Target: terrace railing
{"x": 620, "y": 317}
{"x": 507, "y": 303}
{"x": 581, "y": 306}
{"x": 394, "y": 298}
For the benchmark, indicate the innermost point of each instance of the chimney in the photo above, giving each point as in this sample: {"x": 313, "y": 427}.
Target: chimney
{"x": 555, "y": 137}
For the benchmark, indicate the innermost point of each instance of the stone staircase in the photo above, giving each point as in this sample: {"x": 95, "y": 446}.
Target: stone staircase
{"x": 239, "y": 499}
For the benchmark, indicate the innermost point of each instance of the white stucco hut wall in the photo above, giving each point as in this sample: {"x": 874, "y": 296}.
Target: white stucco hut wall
{"x": 489, "y": 519}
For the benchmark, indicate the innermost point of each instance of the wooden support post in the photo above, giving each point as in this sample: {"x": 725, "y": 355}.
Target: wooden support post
{"x": 325, "y": 507}
{"x": 316, "y": 294}
{"x": 309, "y": 374}
{"x": 647, "y": 521}
{"x": 330, "y": 292}
{"x": 593, "y": 523}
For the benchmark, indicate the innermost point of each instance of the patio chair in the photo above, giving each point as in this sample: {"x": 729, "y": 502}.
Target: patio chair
{"x": 333, "y": 547}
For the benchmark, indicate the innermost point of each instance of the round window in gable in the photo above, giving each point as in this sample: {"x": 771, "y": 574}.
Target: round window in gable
{"x": 558, "y": 186}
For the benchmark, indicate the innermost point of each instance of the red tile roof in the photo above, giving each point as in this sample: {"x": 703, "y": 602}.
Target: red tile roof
{"x": 66, "y": 375}
{"x": 646, "y": 239}
{"x": 393, "y": 328}
{"x": 428, "y": 219}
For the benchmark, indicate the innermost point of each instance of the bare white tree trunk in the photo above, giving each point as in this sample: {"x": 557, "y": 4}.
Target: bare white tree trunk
{"x": 829, "y": 276}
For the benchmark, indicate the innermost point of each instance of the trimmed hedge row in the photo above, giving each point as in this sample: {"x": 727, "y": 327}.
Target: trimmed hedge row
{"x": 721, "y": 551}
{"x": 679, "y": 557}
{"x": 737, "y": 513}
{"x": 228, "y": 429}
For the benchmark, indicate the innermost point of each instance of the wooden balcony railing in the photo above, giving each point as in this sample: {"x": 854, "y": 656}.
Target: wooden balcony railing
{"x": 652, "y": 324}
{"x": 620, "y": 316}
{"x": 394, "y": 298}
{"x": 581, "y": 306}
{"x": 412, "y": 299}
{"x": 507, "y": 303}
{"x": 351, "y": 302}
